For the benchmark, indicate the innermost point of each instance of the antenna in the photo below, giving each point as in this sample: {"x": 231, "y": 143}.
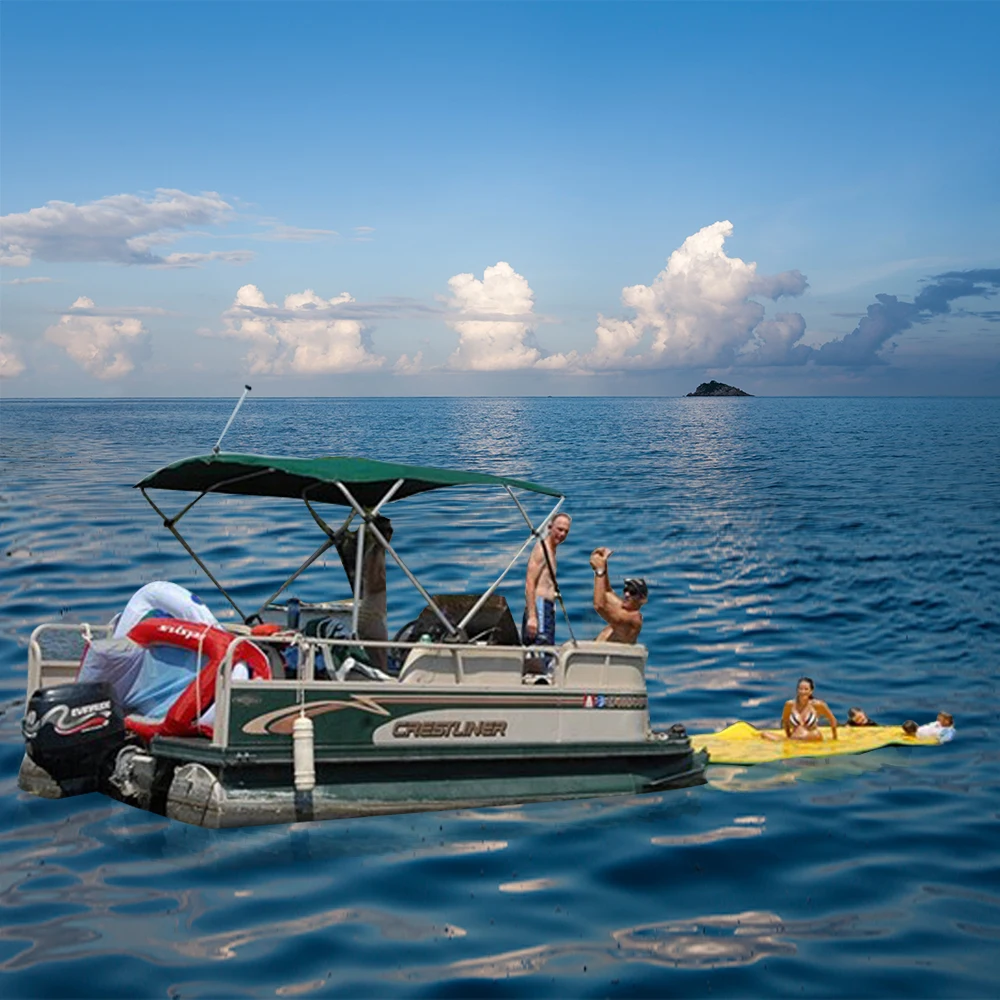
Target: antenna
{"x": 232, "y": 416}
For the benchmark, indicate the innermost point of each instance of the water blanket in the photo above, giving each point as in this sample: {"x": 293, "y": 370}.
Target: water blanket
{"x": 742, "y": 743}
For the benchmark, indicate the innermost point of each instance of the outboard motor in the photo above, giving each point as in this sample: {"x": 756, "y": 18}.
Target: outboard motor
{"x": 71, "y": 731}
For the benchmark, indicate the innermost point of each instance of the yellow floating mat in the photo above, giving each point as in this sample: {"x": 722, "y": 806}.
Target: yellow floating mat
{"x": 742, "y": 743}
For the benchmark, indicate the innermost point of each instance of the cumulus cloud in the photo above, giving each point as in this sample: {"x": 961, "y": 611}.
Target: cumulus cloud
{"x": 494, "y": 321}
{"x": 406, "y": 365}
{"x": 888, "y": 316}
{"x": 104, "y": 343}
{"x": 305, "y": 336}
{"x": 121, "y": 229}
{"x": 776, "y": 342}
{"x": 701, "y": 309}
{"x": 942, "y": 289}
{"x": 11, "y": 364}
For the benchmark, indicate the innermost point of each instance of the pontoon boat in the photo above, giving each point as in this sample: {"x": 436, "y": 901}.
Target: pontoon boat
{"x": 296, "y": 712}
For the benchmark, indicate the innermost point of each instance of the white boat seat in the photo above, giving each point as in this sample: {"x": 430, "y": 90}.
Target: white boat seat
{"x": 603, "y": 666}
{"x": 489, "y": 666}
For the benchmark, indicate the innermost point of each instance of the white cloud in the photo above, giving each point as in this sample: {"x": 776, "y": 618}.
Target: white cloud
{"x": 195, "y": 259}
{"x": 487, "y": 339}
{"x": 699, "y": 310}
{"x": 305, "y": 336}
{"x": 776, "y": 342}
{"x": 279, "y": 233}
{"x": 27, "y": 281}
{"x": 11, "y": 364}
{"x": 103, "y": 343}
{"x": 12, "y": 254}
{"x": 406, "y": 365}
{"x": 120, "y": 228}
{"x": 85, "y": 307}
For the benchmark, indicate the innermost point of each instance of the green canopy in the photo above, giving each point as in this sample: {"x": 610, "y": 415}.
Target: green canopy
{"x": 315, "y": 478}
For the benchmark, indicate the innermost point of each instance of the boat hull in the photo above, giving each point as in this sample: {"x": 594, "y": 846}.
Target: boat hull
{"x": 209, "y": 787}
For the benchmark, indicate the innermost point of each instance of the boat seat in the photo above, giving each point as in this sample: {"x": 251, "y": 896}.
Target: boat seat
{"x": 602, "y": 666}
{"x": 489, "y": 666}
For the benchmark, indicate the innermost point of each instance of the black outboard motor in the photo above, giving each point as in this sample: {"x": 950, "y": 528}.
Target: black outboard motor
{"x": 71, "y": 731}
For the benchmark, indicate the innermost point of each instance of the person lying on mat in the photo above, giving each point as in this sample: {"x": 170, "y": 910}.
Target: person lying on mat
{"x": 801, "y": 716}
{"x": 942, "y": 729}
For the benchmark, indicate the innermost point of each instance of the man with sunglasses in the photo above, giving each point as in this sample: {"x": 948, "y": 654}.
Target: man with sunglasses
{"x": 621, "y": 613}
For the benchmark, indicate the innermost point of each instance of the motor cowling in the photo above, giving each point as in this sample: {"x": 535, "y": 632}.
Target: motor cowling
{"x": 72, "y": 730}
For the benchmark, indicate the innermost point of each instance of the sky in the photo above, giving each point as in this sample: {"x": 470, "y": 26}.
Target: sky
{"x": 499, "y": 199}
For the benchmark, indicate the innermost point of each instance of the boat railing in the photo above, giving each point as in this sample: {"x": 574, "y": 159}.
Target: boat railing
{"x": 585, "y": 667}
{"x": 55, "y": 650}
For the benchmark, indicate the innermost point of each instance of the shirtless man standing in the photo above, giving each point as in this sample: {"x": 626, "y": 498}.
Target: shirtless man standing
{"x": 538, "y": 627}
{"x": 622, "y": 614}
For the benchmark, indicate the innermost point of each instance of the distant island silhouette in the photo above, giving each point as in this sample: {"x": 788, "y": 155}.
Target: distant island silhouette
{"x": 714, "y": 388}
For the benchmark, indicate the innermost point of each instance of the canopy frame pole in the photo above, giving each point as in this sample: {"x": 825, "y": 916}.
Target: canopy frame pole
{"x": 324, "y": 527}
{"x": 169, "y": 525}
{"x": 359, "y": 566}
{"x": 359, "y": 555}
{"x": 328, "y": 543}
{"x": 489, "y": 593}
{"x": 537, "y": 532}
{"x": 442, "y": 617}
{"x": 167, "y": 522}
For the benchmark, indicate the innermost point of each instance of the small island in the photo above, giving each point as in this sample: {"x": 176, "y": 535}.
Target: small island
{"x": 714, "y": 388}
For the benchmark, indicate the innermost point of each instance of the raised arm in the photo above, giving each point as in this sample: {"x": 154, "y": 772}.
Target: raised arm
{"x": 623, "y": 625}
{"x": 606, "y": 601}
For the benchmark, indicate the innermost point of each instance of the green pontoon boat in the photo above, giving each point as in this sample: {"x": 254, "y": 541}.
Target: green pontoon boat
{"x": 310, "y": 711}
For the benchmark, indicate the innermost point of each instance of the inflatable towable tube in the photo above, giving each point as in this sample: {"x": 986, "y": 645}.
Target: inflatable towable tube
{"x": 211, "y": 643}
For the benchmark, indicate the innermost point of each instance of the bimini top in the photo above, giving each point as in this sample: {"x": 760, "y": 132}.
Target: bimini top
{"x": 315, "y": 479}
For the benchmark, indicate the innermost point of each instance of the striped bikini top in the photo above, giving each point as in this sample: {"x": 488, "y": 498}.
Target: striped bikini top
{"x": 810, "y": 721}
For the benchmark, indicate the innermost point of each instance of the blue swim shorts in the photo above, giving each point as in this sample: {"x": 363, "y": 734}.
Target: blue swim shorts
{"x": 546, "y": 634}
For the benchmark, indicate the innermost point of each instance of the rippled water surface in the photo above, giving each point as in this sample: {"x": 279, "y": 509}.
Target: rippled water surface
{"x": 854, "y": 540}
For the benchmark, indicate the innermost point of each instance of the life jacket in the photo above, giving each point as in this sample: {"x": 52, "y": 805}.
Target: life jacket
{"x": 185, "y": 716}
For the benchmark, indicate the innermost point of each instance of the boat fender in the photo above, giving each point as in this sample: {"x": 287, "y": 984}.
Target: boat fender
{"x": 304, "y": 754}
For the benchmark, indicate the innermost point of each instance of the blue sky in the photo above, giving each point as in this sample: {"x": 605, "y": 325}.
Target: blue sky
{"x": 499, "y": 198}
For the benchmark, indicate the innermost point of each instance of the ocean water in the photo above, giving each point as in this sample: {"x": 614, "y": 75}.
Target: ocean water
{"x": 853, "y": 540}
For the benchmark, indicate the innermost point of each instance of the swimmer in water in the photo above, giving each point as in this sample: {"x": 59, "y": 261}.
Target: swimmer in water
{"x": 859, "y": 717}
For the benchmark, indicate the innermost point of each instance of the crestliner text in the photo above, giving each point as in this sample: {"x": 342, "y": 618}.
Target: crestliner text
{"x": 437, "y": 730}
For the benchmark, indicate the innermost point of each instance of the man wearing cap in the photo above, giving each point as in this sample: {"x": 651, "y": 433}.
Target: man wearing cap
{"x": 621, "y": 613}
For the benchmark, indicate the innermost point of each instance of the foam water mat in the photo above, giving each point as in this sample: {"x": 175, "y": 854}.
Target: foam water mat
{"x": 742, "y": 743}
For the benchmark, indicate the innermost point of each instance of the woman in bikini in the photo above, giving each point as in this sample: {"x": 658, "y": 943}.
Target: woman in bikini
{"x": 801, "y": 716}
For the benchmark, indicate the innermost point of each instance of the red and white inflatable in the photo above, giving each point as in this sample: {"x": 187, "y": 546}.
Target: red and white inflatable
{"x": 186, "y": 716}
